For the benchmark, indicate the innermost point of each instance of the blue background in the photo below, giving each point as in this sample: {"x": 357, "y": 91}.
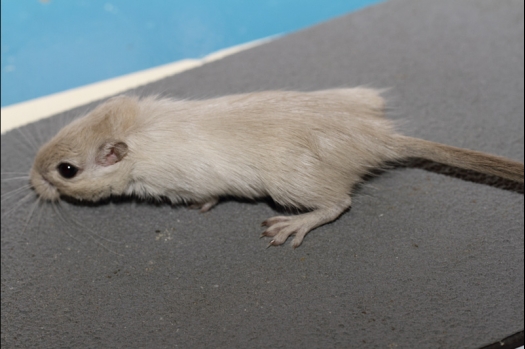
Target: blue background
{"x": 50, "y": 46}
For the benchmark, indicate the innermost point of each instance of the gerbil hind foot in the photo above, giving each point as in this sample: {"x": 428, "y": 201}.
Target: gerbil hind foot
{"x": 204, "y": 206}
{"x": 279, "y": 228}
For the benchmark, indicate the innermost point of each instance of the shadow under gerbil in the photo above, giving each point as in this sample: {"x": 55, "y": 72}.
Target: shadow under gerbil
{"x": 117, "y": 200}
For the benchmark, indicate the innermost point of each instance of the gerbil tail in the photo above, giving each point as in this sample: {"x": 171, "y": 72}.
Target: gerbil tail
{"x": 462, "y": 158}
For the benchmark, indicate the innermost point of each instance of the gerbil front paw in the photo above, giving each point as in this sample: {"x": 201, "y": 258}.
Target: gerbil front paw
{"x": 281, "y": 227}
{"x": 204, "y": 206}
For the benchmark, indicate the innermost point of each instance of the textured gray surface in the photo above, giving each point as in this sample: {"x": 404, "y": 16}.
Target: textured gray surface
{"x": 421, "y": 261}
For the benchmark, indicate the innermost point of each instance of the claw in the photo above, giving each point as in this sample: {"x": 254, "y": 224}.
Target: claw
{"x": 272, "y": 243}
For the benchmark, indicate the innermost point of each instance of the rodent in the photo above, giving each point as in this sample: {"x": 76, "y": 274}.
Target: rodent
{"x": 303, "y": 149}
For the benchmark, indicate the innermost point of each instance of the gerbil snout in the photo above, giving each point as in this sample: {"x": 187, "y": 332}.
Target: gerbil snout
{"x": 44, "y": 188}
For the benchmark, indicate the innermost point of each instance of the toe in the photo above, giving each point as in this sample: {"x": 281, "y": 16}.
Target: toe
{"x": 282, "y": 236}
{"x": 274, "y": 229}
{"x": 299, "y": 236}
{"x": 274, "y": 220}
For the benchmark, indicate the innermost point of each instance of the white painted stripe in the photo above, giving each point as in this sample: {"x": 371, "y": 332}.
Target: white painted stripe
{"x": 19, "y": 114}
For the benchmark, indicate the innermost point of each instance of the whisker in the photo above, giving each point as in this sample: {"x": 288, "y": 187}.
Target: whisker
{"x": 61, "y": 218}
{"x": 38, "y": 139}
{"x": 89, "y": 235}
{"x": 15, "y": 191}
{"x": 15, "y": 178}
{"x": 41, "y": 209}
{"x": 91, "y": 230}
{"x": 30, "y": 216}
{"x": 31, "y": 144}
{"x": 17, "y": 205}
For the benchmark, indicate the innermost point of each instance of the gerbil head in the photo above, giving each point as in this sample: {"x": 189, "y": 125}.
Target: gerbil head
{"x": 88, "y": 159}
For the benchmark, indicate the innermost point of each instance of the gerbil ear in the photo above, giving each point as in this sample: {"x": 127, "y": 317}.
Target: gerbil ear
{"x": 111, "y": 152}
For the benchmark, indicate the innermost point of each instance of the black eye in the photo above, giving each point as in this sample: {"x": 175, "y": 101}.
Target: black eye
{"x": 67, "y": 170}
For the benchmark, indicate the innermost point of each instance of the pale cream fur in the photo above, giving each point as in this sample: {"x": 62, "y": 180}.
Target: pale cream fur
{"x": 303, "y": 149}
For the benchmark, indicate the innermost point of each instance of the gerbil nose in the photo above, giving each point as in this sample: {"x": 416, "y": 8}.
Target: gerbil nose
{"x": 43, "y": 187}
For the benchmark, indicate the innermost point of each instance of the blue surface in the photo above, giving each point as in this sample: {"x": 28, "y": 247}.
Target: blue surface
{"x": 51, "y": 46}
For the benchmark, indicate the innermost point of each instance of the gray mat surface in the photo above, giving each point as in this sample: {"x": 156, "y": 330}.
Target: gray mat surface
{"x": 422, "y": 260}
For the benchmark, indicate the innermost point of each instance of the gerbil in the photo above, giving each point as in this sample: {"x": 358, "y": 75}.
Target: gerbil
{"x": 303, "y": 149}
